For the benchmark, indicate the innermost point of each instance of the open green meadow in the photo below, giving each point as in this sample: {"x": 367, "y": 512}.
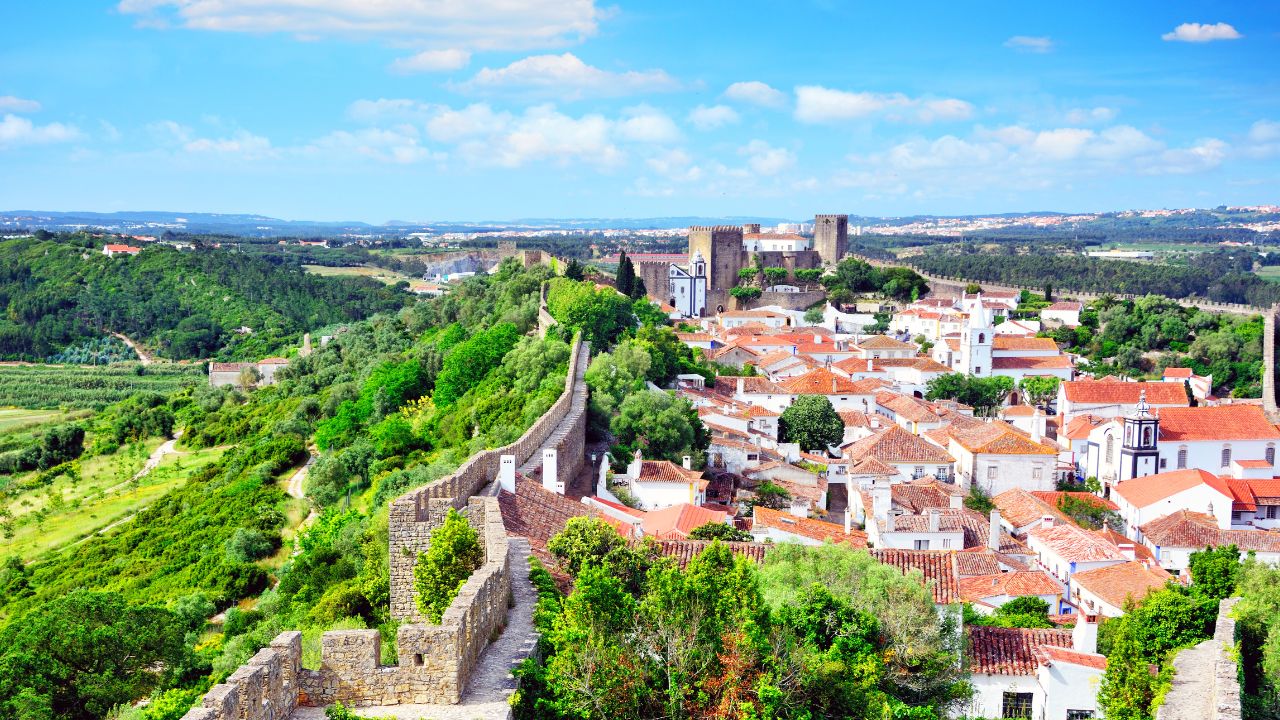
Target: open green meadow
{"x": 389, "y": 277}
{"x": 86, "y": 386}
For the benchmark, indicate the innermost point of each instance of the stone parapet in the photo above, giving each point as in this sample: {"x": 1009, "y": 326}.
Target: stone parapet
{"x": 265, "y": 688}
{"x": 1206, "y": 681}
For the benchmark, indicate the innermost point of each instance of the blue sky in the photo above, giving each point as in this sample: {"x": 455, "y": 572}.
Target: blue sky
{"x": 494, "y": 109}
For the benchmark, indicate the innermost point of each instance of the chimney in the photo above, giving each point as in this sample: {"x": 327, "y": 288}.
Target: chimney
{"x": 741, "y": 386}
{"x": 550, "y": 477}
{"x": 848, "y": 519}
{"x": 1084, "y": 638}
{"x": 1126, "y": 549}
{"x": 993, "y": 535}
{"x": 1035, "y": 428}
{"x": 633, "y": 469}
{"x": 602, "y": 480}
{"x": 833, "y": 384}
{"x": 687, "y": 462}
{"x": 507, "y": 473}
{"x": 889, "y": 522}
{"x": 870, "y": 368}
{"x": 817, "y": 339}
{"x": 935, "y": 521}
{"x": 957, "y": 502}
{"x": 1046, "y": 521}
{"x": 881, "y": 498}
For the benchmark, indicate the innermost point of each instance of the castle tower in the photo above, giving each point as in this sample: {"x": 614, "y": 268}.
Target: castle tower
{"x": 750, "y": 228}
{"x": 831, "y": 237}
{"x": 976, "y": 340}
{"x": 1140, "y": 451}
{"x": 721, "y": 247}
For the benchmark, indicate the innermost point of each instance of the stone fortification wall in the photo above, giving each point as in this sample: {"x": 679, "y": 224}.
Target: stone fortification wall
{"x": 433, "y": 661}
{"x": 414, "y": 515}
{"x": 1206, "y": 681}
{"x": 1269, "y": 389}
{"x": 789, "y": 301}
{"x": 265, "y": 688}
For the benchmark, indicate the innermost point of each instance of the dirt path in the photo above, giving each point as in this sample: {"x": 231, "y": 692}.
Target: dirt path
{"x": 143, "y": 357}
{"x": 299, "y": 477}
{"x": 167, "y": 448}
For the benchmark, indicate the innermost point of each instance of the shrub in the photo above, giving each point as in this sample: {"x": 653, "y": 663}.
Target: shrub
{"x": 249, "y": 545}
{"x": 442, "y": 570}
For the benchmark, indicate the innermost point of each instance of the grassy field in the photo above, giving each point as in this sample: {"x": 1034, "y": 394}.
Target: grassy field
{"x": 69, "y": 510}
{"x": 86, "y": 386}
{"x": 389, "y": 277}
{"x": 13, "y": 420}
{"x": 1269, "y": 272}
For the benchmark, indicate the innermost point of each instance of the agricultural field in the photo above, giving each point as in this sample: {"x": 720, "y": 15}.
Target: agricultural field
{"x": 108, "y": 491}
{"x": 1268, "y": 272}
{"x": 45, "y": 387}
{"x": 16, "y": 420}
{"x": 389, "y": 277}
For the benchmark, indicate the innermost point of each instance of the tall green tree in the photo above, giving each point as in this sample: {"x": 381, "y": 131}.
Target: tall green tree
{"x": 444, "y": 568}
{"x": 626, "y": 274}
{"x": 812, "y": 422}
{"x": 660, "y": 425}
{"x": 1215, "y": 571}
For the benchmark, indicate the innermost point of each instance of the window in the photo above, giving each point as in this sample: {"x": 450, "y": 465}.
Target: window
{"x": 991, "y": 472}
{"x": 753, "y": 457}
{"x": 417, "y": 659}
{"x": 982, "y": 337}
{"x": 1182, "y": 458}
{"x": 942, "y": 472}
{"x": 1111, "y": 449}
{"x": 977, "y": 370}
{"x": 1016, "y": 705}
{"x": 1036, "y": 473}
{"x": 1272, "y": 512}
{"x": 922, "y": 544}
{"x": 1164, "y": 463}
{"x": 917, "y": 472}
{"x": 1226, "y": 455}
{"x": 1271, "y": 455}
{"x": 946, "y": 543}
{"x": 1079, "y": 714}
{"x": 1146, "y": 436}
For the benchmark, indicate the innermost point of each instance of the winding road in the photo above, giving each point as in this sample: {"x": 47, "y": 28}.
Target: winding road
{"x": 143, "y": 357}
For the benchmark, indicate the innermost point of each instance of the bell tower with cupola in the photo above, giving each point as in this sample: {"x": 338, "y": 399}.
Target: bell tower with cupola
{"x": 1140, "y": 450}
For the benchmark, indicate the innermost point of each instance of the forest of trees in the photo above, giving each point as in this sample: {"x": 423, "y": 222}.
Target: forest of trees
{"x": 1220, "y": 276}
{"x": 63, "y": 291}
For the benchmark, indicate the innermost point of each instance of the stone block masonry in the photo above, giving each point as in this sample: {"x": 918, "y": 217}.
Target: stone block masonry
{"x": 415, "y": 514}
{"x": 265, "y": 688}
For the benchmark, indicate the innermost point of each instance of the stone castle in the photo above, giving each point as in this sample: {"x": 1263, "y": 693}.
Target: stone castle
{"x": 726, "y": 249}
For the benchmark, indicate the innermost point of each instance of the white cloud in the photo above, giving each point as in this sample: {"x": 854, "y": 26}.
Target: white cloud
{"x": 567, "y": 77}
{"x": 765, "y": 159}
{"x": 644, "y": 124}
{"x": 399, "y": 145}
{"x": 450, "y": 126}
{"x": 9, "y": 103}
{"x": 241, "y": 143}
{"x": 543, "y": 133}
{"x": 710, "y": 118}
{"x": 1197, "y": 33}
{"x": 754, "y": 92}
{"x": 1264, "y": 131}
{"x": 16, "y": 131}
{"x": 386, "y": 109}
{"x": 429, "y": 61}
{"x": 483, "y": 24}
{"x": 1030, "y": 43}
{"x": 675, "y": 165}
{"x": 1089, "y": 116}
{"x": 1206, "y": 154}
{"x": 817, "y": 104}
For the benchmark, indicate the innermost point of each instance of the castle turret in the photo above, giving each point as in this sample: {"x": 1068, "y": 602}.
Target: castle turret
{"x": 831, "y": 237}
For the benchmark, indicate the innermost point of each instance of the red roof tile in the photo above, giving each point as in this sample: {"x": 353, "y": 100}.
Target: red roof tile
{"x": 819, "y": 381}
{"x": 1075, "y": 545}
{"x": 1048, "y": 654}
{"x": 807, "y": 527}
{"x": 1008, "y": 342}
{"x": 1186, "y": 529}
{"x": 1010, "y": 651}
{"x": 1012, "y": 584}
{"x": 1103, "y": 392}
{"x": 1114, "y": 583}
{"x": 937, "y": 566}
{"x": 677, "y": 521}
{"x": 893, "y": 444}
{"x": 1223, "y": 422}
{"x": 1149, "y": 489}
{"x": 1045, "y": 362}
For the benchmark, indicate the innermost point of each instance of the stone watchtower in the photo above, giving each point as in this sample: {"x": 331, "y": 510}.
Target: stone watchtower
{"x": 831, "y": 237}
{"x": 721, "y": 247}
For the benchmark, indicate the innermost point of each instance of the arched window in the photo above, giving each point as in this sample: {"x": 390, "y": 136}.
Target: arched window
{"x": 1128, "y": 435}
{"x": 1111, "y": 442}
{"x": 982, "y": 337}
{"x": 1146, "y": 436}
{"x": 1226, "y": 455}
{"x": 1182, "y": 458}
{"x": 1271, "y": 454}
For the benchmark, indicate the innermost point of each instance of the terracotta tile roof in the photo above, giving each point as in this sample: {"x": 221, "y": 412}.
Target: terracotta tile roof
{"x": 807, "y": 527}
{"x": 727, "y": 385}
{"x": 1140, "y": 551}
{"x": 907, "y": 407}
{"x": 854, "y": 418}
{"x": 1186, "y": 529}
{"x": 937, "y": 566}
{"x": 537, "y": 513}
{"x": 1113, "y": 583}
{"x": 1008, "y": 342}
{"x": 884, "y": 342}
{"x": 1223, "y": 422}
{"x": 633, "y": 512}
{"x": 694, "y": 337}
{"x": 685, "y": 550}
{"x": 1019, "y": 411}
{"x": 977, "y": 530}
{"x": 819, "y": 381}
{"x": 1048, "y": 654}
{"x": 984, "y": 561}
{"x": 665, "y": 471}
{"x": 1081, "y": 425}
{"x": 1066, "y": 305}
{"x": 677, "y": 521}
{"x": 920, "y": 495}
{"x": 1044, "y": 362}
{"x": 1074, "y": 544}
{"x": 923, "y": 364}
{"x": 1021, "y": 508}
{"x": 1010, "y": 651}
{"x": 996, "y": 437}
{"x": 1105, "y": 392}
{"x": 871, "y": 465}
{"x": 1055, "y": 497}
{"x": 1178, "y": 372}
{"x": 1013, "y": 584}
{"x": 1265, "y": 489}
{"x": 1150, "y": 489}
{"x": 751, "y": 314}
{"x": 229, "y": 367}
{"x": 893, "y": 444}
{"x": 773, "y": 357}
{"x": 756, "y": 411}
{"x": 273, "y": 361}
